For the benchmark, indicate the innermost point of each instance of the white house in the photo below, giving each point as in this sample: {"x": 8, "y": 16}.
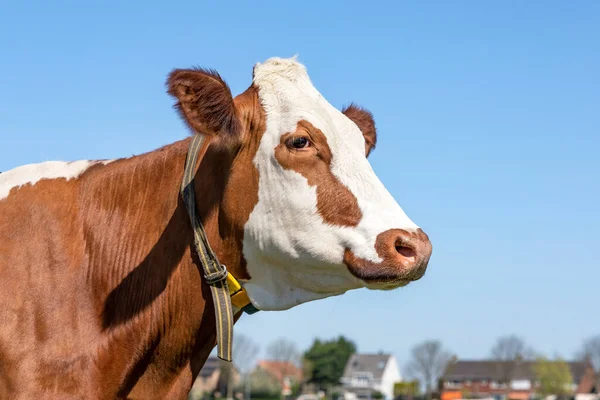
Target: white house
{"x": 367, "y": 373}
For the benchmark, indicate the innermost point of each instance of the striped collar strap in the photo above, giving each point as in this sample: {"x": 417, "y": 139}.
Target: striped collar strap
{"x": 228, "y": 295}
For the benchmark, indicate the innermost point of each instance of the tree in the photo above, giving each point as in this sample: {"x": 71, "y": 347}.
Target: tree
{"x": 307, "y": 368}
{"x": 428, "y": 362}
{"x": 326, "y": 360}
{"x": 265, "y": 385}
{"x": 244, "y": 353}
{"x": 377, "y": 395}
{"x": 508, "y": 352}
{"x": 590, "y": 351}
{"x": 407, "y": 389}
{"x": 286, "y": 354}
{"x": 554, "y": 377}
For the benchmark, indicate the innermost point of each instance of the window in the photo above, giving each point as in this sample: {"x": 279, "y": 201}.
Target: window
{"x": 520, "y": 384}
{"x": 362, "y": 378}
{"x": 381, "y": 364}
{"x": 497, "y": 385}
{"x": 452, "y": 384}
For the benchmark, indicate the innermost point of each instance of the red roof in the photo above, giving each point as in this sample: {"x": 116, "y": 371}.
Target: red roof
{"x": 281, "y": 369}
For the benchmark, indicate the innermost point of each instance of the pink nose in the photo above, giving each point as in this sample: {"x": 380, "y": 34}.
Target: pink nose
{"x": 404, "y": 255}
{"x": 406, "y": 252}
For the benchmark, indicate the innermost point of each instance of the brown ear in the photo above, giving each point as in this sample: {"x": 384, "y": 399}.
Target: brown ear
{"x": 205, "y": 103}
{"x": 364, "y": 120}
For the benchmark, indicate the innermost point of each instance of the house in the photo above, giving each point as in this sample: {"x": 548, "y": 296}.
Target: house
{"x": 281, "y": 370}
{"x": 283, "y": 374}
{"x": 366, "y": 374}
{"x": 594, "y": 393}
{"x": 212, "y": 378}
{"x": 485, "y": 379}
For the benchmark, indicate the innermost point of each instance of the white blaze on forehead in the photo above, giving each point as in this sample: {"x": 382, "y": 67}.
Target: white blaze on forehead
{"x": 293, "y": 255}
{"x": 30, "y": 174}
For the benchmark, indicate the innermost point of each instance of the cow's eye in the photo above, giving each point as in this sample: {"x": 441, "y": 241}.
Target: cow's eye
{"x": 299, "y": 142}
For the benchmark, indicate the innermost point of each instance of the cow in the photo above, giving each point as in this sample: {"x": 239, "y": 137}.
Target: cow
{"x": 102, "y": 293}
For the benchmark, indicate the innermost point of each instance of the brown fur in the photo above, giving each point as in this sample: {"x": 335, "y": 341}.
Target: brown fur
{"x": 336, "y": 204}
{"x": 102, "y": 296}
{"x": 365, "y": 122}
{"x": 106, "y": 298}
{"x": 205, "y": 103}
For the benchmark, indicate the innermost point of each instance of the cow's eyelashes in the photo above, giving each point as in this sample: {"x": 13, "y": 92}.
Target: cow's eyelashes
{"x": 298, "y": 142}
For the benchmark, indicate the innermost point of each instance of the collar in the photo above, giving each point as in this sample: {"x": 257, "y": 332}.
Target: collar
{"x": 229, "y": 297}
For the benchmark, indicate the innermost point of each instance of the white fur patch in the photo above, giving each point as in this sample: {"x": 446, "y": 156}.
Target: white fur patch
{"x": 293, "y": 256}
{"x": 30, "y": 174}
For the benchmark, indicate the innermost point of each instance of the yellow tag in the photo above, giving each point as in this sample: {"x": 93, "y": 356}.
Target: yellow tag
{"x": 239, "y": 297}
{"x": 233, "y": 284}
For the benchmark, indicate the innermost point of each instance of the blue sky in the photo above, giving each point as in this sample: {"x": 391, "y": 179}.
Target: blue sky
{"x": 489, "y": 129}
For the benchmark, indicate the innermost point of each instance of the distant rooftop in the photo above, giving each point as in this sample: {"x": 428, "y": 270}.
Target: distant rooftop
{"x": 373, "y": 363}
{"x": 210, "y": 366}
{"x": 281, "y": 369}
{"x": 493, "y": 370}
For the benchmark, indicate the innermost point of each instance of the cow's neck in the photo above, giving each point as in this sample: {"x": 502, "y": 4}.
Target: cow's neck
{"x": 156, "y": 310}
{"x": 217, "y": 201}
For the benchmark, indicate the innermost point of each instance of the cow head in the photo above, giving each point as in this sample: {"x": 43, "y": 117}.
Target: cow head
{"x": 315, "y": 218}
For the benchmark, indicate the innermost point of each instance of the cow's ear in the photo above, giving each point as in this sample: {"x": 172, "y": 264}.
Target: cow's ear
{"x": 205, "y": 103}
{"x": 364, "y": 120}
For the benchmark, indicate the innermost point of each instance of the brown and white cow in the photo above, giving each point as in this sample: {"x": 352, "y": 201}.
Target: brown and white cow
{"x": 101, "y": 294}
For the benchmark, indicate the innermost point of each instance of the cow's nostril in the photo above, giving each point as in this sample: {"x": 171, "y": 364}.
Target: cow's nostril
{"x": 404, "y": 251}
{"x": 404, "y": 258}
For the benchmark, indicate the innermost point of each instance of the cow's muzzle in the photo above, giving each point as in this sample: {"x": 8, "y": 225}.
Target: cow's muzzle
{"x": 405, "y": 257}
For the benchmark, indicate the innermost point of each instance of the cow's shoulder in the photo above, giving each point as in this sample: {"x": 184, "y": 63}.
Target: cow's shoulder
{"x": 30, "y": 174}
